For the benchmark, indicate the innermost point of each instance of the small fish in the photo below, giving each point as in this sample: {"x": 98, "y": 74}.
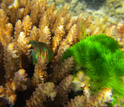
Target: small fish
{"x": 40, "y": 51}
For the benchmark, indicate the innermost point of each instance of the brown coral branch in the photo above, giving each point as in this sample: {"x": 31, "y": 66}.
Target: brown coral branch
{"x": 21, "y": 81}
{"x": 18, "y": 28}
{"x": 57, "y": 38}
{"x": 101, "y": 97}
{"x": 5, "y": 29}
{"x": 44, "y": 91}
{"x": 37, "y": 9}
{"x": 27, "y": 25}
{"x": 11, "y": 60}
{"x": 40, "y": 73}
{"x": 78, "y": 101}
{"x": 60, "y": 71}
{"x": 24, "y": 46}
{"x": 45, "y": 35}
{"x": 63, "y": 89}
{"x": 8, "y": 92}
{"x": 34, "y": 35}
{"x": 97, "y": 100}
{"x": 60, "y": 19}
{"x": 70, "y": 39}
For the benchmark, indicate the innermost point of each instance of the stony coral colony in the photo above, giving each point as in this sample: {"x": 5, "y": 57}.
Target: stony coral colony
{"x": 46, "y": 84}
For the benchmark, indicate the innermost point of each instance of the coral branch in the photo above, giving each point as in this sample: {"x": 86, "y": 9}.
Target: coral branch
{"x": 60, "y": 71}
{"x": 63, "y": 89}
{"x": 44, "y": 91}
{"x": 40, "y": 73}
{"x": 11, "y": 60}
{"x": 21, "y": 81}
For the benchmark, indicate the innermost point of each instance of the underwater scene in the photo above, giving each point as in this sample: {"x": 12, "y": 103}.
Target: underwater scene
{"x": 61, "y": 53}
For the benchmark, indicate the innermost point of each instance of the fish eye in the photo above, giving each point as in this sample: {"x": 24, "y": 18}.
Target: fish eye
{"x": 31, "y": 47}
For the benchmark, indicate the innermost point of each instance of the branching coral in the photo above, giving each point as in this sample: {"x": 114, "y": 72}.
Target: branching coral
{"x": 23, "y": 21}
{"x": 43, "y": 91}
{"x": 51, "y": 81}
{"x": 19, "y": 82}
{"x": 98, "y": 100}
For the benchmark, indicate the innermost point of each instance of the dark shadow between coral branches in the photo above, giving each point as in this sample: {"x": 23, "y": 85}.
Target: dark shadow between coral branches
{"x": 22, "y": 97}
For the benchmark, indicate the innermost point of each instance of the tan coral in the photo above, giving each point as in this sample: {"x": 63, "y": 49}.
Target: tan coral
{"x": 11, "y": 60}
{"x": 105, "y": 95}
{"x": 43, "y": 91}
{"x": 8, "y": 92}
{"x": 70, "y": 23}
{"x": 34, "y": 34}
{"x": 40, "y": 74}
{"x": 70, "y": 39}
{"x": 61, "y": 70}
{"x": 24, "y": 46}
{"x": 63, "y": 89}
{"x": 97, "y": 100}
{"x": 45, "y": 35}
{"x": 18, "y": 28}
{"x": 20, "y": 80}
{"x": 17, "y": 83}
{"x": 23, "y": 43}
{"x": 61, "y": 19}
{"x": 78, "y": 101}
{"x": 15, "y": 9}
{"x": 5, "y": 29}
{"x": 27, "y": 25}
{"x": 30, "y": 23}
{"x": 58, "y": 36}
{"x": 37, "y": 8}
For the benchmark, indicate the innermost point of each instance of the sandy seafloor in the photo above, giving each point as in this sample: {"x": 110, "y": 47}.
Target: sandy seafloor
{"x": 111, "y": 10}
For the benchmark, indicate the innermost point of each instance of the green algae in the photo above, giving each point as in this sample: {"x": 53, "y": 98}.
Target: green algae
{"x": 103, "y": 60}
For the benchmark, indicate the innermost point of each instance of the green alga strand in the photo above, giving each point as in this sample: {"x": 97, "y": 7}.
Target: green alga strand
{"x": 97, "y": 57}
